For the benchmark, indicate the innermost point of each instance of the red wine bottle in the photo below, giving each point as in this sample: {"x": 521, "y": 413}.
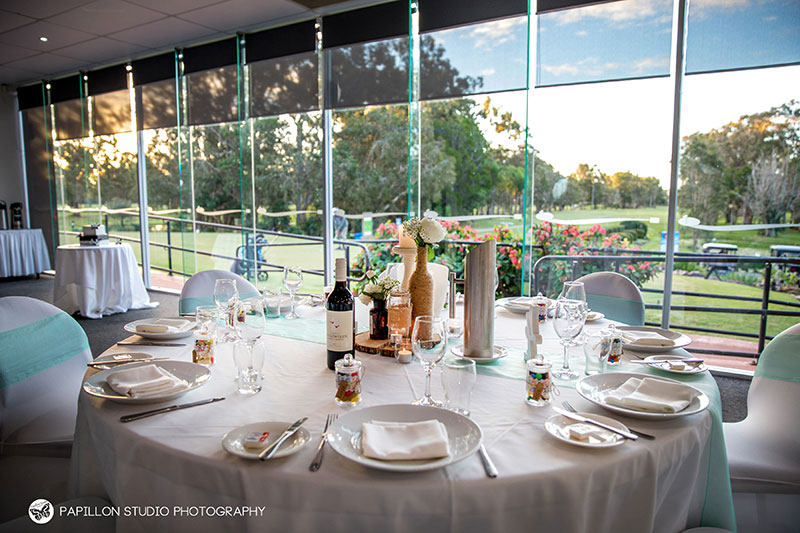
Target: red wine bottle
{"x": 340, "y": 317}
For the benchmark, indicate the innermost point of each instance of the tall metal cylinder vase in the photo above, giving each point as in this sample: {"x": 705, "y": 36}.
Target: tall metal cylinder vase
{"x": 479, "y": 272}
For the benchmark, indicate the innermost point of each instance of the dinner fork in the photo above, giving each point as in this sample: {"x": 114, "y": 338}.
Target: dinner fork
{"x": 568, "y": 407}
{"x": 315, "y": 464}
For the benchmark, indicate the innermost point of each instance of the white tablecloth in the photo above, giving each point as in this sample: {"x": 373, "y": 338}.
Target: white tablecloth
{"x": 544, "y": 485}
{"x": 98, "y": 280}
{"x": 23, "y": 252}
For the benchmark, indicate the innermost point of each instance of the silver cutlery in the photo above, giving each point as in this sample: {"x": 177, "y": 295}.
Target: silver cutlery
{"x": 317, "y": 462}
{"x": 668, "y": 361}
{"x": 581, "y": 418}
{"x": 568, "y": 407}
{"x": 149, "y": 343}
{"x": 123, "y": 361}
{"x": 145, "y": 414}
{"x": 270, "y": 450}
{"x": 488, "y": 465}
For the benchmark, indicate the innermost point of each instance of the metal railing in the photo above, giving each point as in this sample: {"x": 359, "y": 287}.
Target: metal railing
{"x": 612, "y": 262}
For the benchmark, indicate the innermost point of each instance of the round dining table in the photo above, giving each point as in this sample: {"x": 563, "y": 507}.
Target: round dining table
{"x": 170, "y": 471}
{"x": 98, "y": 280}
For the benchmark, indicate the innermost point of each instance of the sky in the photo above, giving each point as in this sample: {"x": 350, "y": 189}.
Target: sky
{"x": 627, "y": 125}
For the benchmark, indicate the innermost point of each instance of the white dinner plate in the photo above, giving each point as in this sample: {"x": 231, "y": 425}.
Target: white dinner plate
{"x": 595, "y": 388}
{"x": 558, "y": 426}
{"x": 185, "y": 331}
{"x": 233, "y": 441}
{"x": 119, "y": 359}
{"x": 679, "y": 339}
{"x": 519, "y": 304}
{"x": 499, "y": 353}
{"x": 195, "y": 375}
{"x": 463, "y": 434}
{"x": 591, "y": 316}
{"x": 666, "y": 367}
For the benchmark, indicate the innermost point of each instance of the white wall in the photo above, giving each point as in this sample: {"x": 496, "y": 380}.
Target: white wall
{"x": 12, "y": 186}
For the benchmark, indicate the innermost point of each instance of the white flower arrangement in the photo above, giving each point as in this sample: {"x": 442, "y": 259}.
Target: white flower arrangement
{"x": 425, "y": 231}
{"x": 377, "y": 289}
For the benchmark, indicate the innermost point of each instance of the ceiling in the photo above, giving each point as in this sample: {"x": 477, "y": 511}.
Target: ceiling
{"x": 86, "y": 34}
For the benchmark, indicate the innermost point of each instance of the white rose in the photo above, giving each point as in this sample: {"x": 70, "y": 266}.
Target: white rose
{"x": 371, "y": 288}
{"x": 432, "y": 232}
{"x": 366, "y": 300}
{"x": 370, "y": 273}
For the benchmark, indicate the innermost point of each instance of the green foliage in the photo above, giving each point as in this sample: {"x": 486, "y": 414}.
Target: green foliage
{"x": 630, "y": 230}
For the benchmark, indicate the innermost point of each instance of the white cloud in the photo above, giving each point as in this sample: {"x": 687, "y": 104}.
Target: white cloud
{"x": 488, "y": 71}
{"x": 651, "y": 63}
{"x": 488, "y": 35}
{"x": 581, "y": 33}
{"x": 614, "y": 11}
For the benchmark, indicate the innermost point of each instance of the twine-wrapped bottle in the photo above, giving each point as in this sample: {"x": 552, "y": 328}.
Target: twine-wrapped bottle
{"x": 421, "y": 287}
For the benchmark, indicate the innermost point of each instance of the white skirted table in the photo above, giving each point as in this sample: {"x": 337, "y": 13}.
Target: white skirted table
{"x": 98, "y": 280}
{"x": 23, "y": 252}
{"x": 176, "y": 460}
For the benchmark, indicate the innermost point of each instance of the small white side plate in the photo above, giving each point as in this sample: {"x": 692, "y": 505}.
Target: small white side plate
{"x": 666, "y": 367}
{"x": 558, "y": 426}
{"x": 499, "y": 353}
{"x": 119, "y": 359}
{"x": 233, "y": 441}
{"x": 594, "y": 315}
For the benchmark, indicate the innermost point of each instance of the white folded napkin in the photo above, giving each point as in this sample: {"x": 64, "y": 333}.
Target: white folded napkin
{"x": 162, "y": 325}
{"x": 391, "y": 441}
{"x": 145, "y": 381}
{"x": 652, "y": 395}
{"x": 647, "y": 338}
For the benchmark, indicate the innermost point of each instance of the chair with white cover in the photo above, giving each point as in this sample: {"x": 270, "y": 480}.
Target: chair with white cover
{"x": 42, "y": 364}
{"x": 764, "y": 448}
{"x": 199, "y": 289}
{"x": 441, "y": 284}
{"x": 614, "y": 295}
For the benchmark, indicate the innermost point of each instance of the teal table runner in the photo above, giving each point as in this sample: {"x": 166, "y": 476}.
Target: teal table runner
{"x": 37, "y": 346}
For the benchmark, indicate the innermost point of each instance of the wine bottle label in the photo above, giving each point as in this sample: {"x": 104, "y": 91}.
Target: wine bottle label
{"x": 340, "y": 331}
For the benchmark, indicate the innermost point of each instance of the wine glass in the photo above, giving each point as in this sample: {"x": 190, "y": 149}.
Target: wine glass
{"x": 249, "y": 324}
{"x": 292, "y": 280}
{"x": 225, "y": 296}
{"x": 429, "y": 344}
{"x": 570, "y": 316}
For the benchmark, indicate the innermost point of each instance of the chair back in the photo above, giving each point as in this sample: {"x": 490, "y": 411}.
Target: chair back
{"x": 199, "y": 289}
{"x": 42, "y": 364}
{"x": 441, "y": 284}
{"x": 615, "y": 296}
{"x": 776, "y": 383}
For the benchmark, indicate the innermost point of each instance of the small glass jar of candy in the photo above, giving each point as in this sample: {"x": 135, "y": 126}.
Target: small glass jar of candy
{"x": 539, "y": 386}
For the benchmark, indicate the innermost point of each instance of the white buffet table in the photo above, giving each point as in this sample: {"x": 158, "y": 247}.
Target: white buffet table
{"x": 23, "y": 252}
{"x": 177, "y": 459}
{"x": 98, "y": 280}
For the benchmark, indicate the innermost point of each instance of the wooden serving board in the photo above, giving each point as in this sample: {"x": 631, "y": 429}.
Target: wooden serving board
{"x": 367, "y": 345}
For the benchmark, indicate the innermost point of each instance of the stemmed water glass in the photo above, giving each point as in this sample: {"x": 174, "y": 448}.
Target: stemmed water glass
{"x": 249, "y": 324}
{"x": 569, "y": 319}
{"x": 429, "y": 344}
{"x": 292, "y": 280}
{"x": 225, "y": 296}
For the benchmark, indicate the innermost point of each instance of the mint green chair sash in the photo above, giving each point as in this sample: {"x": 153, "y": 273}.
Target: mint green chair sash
{"x": 781, "y": 359}
{"x": 40, "y": 345}
{"x": 188, "y": 305}
{"x": 628, "y": 312}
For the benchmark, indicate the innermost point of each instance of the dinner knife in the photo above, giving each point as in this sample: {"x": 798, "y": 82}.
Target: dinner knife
{"x": 148, "y": 343}
{"x": 270, "y": 450}
{"x": 579, "y": 418}
{"x": 659, "y": 361}
{"x": 145, "y": 414}
{"x": 488, "y": 465}
{"x": 123, "y": 361}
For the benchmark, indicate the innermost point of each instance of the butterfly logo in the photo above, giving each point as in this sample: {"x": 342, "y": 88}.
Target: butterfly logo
{"x": 41, "y": 511}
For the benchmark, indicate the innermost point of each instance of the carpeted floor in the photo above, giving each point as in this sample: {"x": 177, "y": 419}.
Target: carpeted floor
{"x": 108, "y": 330}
